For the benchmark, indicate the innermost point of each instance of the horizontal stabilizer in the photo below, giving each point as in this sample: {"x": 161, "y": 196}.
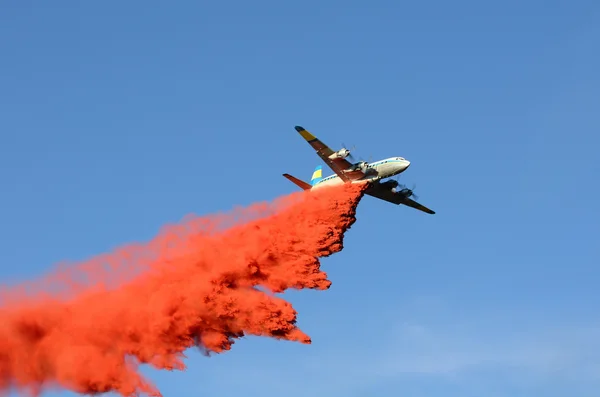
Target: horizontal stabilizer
{"x": 298, "y": 182}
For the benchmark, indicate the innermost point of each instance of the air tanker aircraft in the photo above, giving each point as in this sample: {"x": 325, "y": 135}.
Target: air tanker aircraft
{"x": 361, "y": 172}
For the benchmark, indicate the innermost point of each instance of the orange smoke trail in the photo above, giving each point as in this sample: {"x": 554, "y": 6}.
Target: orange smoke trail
{"x": 194, "y": 285}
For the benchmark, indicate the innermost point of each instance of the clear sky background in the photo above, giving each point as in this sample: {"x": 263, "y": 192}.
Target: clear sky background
{"x": 119, "y": 117}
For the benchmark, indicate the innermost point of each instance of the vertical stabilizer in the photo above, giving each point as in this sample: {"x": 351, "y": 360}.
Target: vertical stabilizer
{"x": 317, "y": 175}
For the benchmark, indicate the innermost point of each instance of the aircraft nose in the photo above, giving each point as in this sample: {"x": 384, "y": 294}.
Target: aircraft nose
{"x": 407, "y": 164}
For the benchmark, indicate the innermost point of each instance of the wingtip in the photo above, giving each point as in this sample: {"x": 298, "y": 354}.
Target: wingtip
{"x": 305, "y": 134}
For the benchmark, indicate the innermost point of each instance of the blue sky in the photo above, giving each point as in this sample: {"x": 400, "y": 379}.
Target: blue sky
{"x": 120, "y": 117}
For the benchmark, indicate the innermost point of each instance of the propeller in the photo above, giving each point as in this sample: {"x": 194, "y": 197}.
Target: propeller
{"x": 369, "y": 161}
{"x": 350, "y": 150}
{"x": 409, "y": 192}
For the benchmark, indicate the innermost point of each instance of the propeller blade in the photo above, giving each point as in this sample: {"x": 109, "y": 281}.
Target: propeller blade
{"x": 412, "y": 191}
{"x": 350, "y": 150}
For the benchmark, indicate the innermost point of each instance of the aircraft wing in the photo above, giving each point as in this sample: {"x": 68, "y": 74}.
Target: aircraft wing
{"x": 386, "y": 194}
{"x": 339, "y": 165}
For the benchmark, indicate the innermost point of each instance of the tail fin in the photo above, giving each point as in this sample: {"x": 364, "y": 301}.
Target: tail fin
{"x": 298, "y": 182}
{"x": 317, "y": 175}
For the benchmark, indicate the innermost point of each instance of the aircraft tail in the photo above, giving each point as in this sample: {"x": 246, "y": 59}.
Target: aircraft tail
{"x": 317, "y": 175}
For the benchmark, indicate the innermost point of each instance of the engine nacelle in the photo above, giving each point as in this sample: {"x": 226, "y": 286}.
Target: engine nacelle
{"x": 340, "y": 154}
{"x": 406, "y": 192}
{"x": 363, "y": 166}
{"x": 393, "y": 185}
{"x": 390, "y": 184}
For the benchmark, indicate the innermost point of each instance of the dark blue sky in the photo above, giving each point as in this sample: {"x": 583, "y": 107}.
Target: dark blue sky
{"x": 117, "y": 118}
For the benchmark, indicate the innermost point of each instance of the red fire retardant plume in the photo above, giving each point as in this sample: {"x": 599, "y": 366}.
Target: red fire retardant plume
{"x": 193, "y": 285}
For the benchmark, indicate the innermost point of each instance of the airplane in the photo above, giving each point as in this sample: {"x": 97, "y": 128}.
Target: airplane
{"x": 360, "y": 172}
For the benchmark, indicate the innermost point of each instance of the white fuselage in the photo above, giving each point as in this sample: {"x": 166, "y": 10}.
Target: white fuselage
{"x": 377, "y": 170}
